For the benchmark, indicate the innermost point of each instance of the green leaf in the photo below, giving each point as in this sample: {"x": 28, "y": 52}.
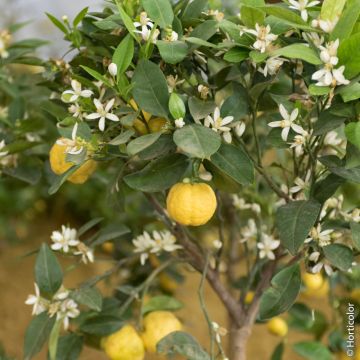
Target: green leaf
{"x": 48, "y": 273}
{"x": 101, "y": 325}
{"x": 193, "y": 9}
{"x": 350, "y": 92}
{"x": 36, "y": 334}
{"x": 110, "y": 232}
{"x": 160, "y": 11}
{"x": 235, "y": 163}
{"x": 150, "y": 88}
{"x": 69, "y": 347}
{"x": 312, "y": 350}
{"x": 128, "y": 22}
{"x": 200, "y": 42}
{"x": 347, "y": 21}
{"x": 236, "y": 105}
{"x": 176, "y": 106}
{"x": 339, "y": 255}
{"x": 89, "y": 296}
{"x": 57, "y": 23}
{"x": 278, "y": 352}
{"x": 90, "y": 224}
{"x": 348, "y": 54}
{"x": 236, "y": 55}
{"x": 123, "y": 54}
{"x": 298, "y": 51}
{"x": 336, "y": 166}
{"x": 163, "y": 146}
{"x": 79, "y": 17}
{"x": 162, "y": 302}
{"x": 318, "y": 90}
{"x": 197, "y": 140}
{"x": 284, "y": 289}
{"x": 352, "y": 132}
{"x": 287, "y": 16}
{"x": 172, "y": 52}
{"x": 181, "y": 343}
{"x": 59, "y": 180}
{"x": 141, "y": 143}
{"x": 327, "y": 187}
{"x": 251, "y": 16}
{"x": 355, "y": 233}
{"x": 294, "y": 221}
{"x": 122, "y": 138}
{"x": 53, "y": 339}
{"x": 199, "y": 109}
{"x": 96, "y": 75}
{"x": 159, "y": 175}
{"x": 332, "y": 9}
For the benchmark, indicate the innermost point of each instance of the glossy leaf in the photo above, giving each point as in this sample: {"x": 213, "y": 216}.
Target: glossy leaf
{"x": 172, "y": 52}
{"x": 162, "y": 302}
{"x": 123, "y": 54}
{"x": 339, "y": 255}
{"x": 160, "y": 11}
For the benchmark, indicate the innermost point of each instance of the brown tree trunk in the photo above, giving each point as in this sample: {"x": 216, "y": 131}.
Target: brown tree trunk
{"x": 238, "y": 341}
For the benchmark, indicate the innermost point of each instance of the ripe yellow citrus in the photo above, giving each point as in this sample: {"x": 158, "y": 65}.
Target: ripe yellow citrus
{"x": 134, "y": 105}
{"x": 277, "y": 326}
{"x": 59, "y": 165}
{"x": 108, "y": 247}
{"x": 157, "y": 325}
{"x": 319, "y": 293}
{"x": 125, "y": 344}
{"x": 191, "y": 204}
{"x": 249, "y": 297}
{"x": 313, "y": 281}
{"x": 157, "y": 124}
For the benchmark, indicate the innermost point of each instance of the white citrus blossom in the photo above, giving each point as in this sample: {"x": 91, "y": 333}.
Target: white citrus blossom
{"x": 325, "y": 25}
{"x": 322, "y": 237}
{"x": 113, "y": 69}
{"x": 217, "y": 244}
{"x": 144, "y": 21}
{"x": 75, "y": 93}
{"x": 143, "y": 243}
{"x": 353, "y": 215}
{"x": 179, "y": 123}
{"x": 329, "y": 76}
{"x": 240, "y": 128}
{"x": 314, "y": 256}
{"x": 328, "y": 54}
{"x": 314, "y": 38}
{"x": 203, "y": 91}
{"x": 39, "y": 304}
{"x": 219, "y": 331}
{"x": 249, "y": 232}
{"x": 287, "y": 122}
{"x": 272, "y": 66}
{"x": 241, "y": 204}
{"x": 266, "y": 246}
{"x": 2, "y": 146}
{"x": 173, "y": 36}
{"x": 72, "y": 145}
{"x": 147, "y": 32}
{"x": 264, "y": 37}
{"x": 87, "y": 253}
{"x": 102, "y": 113}
{"x": 68, "y": 310}
{"x": 298, "y": 144}
{"x": 302, "y": 6}
{"x": 300, "y": 184}
{"x": 218, "y": 124}
{"x": 75, "y": 110}
{"x": 65, "y": 239}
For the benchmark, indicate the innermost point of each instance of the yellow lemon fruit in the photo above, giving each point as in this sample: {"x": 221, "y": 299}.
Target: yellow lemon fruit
{"x": 319, "y": 293}
{"x": 59, "y": 165}
{"x": 157, "y": 325}
{"x": 249, "y": 297}
{"x": 313, "y": 281}
{"x": 134, "y": 105}
{"x": 125, "y": 344}
{"x": 108, "y": 247}
{"x": 191, "y": 204}
{"x": 277, "y": 326}
{"x": 140, "y": 127}
{"x": 157, "y": 124}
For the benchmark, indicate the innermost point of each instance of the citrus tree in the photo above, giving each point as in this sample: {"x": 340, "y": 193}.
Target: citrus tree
{"x": 194, "y": 122}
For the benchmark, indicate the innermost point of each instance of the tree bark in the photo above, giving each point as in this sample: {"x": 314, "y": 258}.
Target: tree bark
{"x": 238, "y": 341}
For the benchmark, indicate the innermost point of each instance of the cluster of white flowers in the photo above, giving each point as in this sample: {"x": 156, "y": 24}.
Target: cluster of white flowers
{"x": 264, "y": 37}
{"x": 272, "y": 66}
{"x": 332, "y": 209}
{"x": 249, "y": 232}
{"x": 5, "y": 38}
{"x": 74, "y": 145}
{"x": 328, "y": 75}
{"x": 103, "y": 111}
{"x": 160, "y": 241}
{"x": 321, "y": 237}
{"x": 67, "y": 241}
{"x": 267, "y": 245}
{"x": 241, "y": 204}
{"x": 319, "y": 265}
{"x": 219, "y": 331}
{"x": 287, "y": 123}
{"x": 325, "y": 25}
{"x": 302, "y": 6}
{"x": 61, "y": 305}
